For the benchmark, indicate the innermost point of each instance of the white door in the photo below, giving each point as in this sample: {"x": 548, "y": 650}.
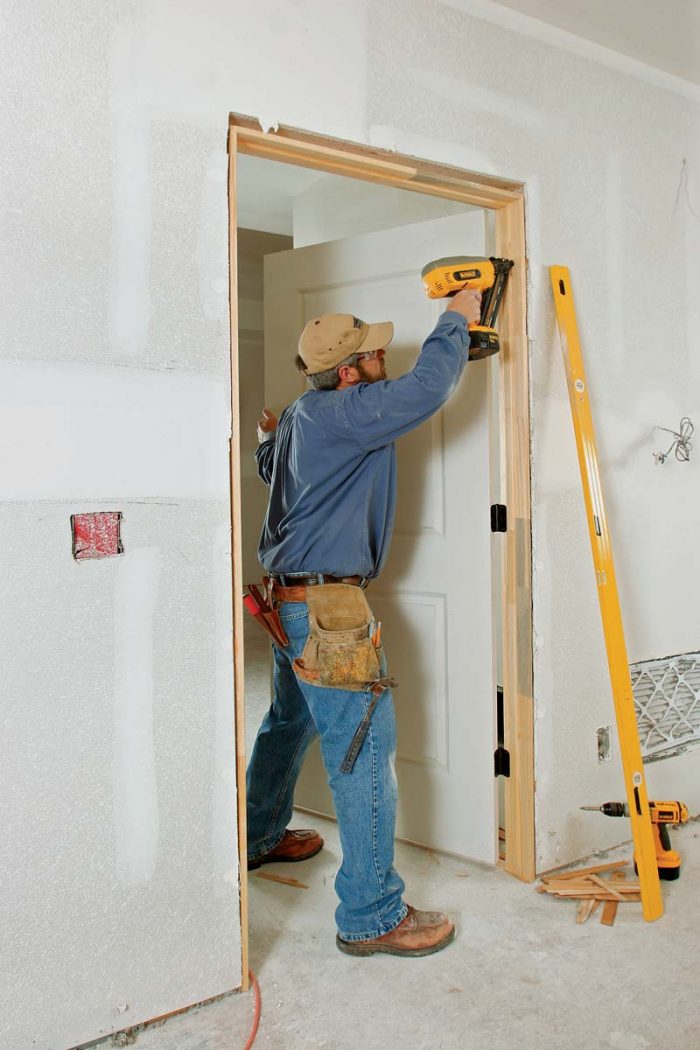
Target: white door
{"x": 434, "y": 595}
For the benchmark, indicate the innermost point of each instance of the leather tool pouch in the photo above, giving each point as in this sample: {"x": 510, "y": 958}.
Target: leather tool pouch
{"x": 339, "y": 653}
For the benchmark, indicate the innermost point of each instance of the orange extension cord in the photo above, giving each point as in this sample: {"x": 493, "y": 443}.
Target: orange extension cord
{"x": 256, "y": 1016}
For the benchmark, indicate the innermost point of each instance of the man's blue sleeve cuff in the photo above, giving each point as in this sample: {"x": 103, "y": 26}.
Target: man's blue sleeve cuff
{"x": 453, "y": 317}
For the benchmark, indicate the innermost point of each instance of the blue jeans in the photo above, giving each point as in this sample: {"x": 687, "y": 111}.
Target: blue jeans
{"x": 367, "y": 884}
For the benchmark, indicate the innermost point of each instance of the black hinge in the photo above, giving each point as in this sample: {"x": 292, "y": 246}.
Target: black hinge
{"x": 499, "y": 517}
{"x": 501, "y": 757}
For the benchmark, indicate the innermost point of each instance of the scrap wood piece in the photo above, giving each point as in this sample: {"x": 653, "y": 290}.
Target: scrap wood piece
{"x": 577, "y": 872}
{"x": 591, "y": 886}
{"x": 582, "y": 895}
{"x": 609, "y": 913}
{"x": 281, "y": 878}
{"x": 607, "y": 886}
{"x": 586, "y": 908}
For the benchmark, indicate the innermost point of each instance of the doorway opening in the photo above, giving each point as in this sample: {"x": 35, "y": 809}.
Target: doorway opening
{"x": 321, "y": 226}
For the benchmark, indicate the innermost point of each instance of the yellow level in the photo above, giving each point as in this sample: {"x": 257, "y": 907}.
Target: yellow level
{"x": 635, "y": 784}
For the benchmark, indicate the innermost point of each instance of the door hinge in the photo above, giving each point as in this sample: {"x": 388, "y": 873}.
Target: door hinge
{"x": 501, "y": 757}
{"x": 499, "y": 517}
{"x": 501, "y": 762}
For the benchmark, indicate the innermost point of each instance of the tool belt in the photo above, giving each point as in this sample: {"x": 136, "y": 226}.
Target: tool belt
{"x": 339, "y": 652}
{"x": 343, "y": 651}
{"x": 293, "y": 588}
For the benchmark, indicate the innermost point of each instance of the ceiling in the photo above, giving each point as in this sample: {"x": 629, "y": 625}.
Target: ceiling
{"x": 660, "y": 33}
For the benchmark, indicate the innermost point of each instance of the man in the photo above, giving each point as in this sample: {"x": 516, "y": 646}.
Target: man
{"x": 331, "y": 467}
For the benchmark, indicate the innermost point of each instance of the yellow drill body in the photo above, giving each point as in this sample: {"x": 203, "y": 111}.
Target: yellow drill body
{"x": 668, "y": 860}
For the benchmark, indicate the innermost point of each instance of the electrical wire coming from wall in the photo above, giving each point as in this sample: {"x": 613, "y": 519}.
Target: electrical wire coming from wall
{"x": 681, "y": 445}
{"x": 683, "y": 191}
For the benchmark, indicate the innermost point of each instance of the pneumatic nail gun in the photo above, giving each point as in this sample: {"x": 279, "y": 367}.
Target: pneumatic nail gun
{"x": 445, "y": 277}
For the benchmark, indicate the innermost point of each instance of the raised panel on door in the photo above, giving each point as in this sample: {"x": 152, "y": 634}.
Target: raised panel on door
{"x": 434, "y": 596}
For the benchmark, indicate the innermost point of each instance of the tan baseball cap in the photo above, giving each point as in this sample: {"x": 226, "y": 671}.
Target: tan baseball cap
{"x": 329, "y": 339}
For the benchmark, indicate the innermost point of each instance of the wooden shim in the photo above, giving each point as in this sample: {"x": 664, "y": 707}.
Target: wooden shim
{"x": 585, "y": 908}
{"x": 571, "y": 887}
{"x": 606, "y": 886}
{"x": 283, "y": 879}
{"x": 609, "y": 913}
{"x": 584, "y": 871}
{"x": 597, "y": 894}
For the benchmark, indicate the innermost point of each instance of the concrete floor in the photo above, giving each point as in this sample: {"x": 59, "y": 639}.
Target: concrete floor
{"x": 521, "y": 974}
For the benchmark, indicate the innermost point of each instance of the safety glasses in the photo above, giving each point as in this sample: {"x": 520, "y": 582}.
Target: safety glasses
{"x": 370, "y": 355}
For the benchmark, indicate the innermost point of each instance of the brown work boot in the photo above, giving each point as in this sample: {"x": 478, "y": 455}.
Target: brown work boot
{"x": 294, "y": 846}
{"x": 420, "y": 933}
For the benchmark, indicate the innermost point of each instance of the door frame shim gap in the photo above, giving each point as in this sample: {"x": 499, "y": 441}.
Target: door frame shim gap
{"x": 506, "y": 199}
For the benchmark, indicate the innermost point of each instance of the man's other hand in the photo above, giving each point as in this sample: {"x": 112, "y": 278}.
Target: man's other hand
{"x": 267, "y": 424}
{"x": 468, "y": 304}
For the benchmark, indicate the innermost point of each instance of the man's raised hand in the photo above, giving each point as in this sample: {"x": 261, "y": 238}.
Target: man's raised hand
{"x": 267, "y": 424}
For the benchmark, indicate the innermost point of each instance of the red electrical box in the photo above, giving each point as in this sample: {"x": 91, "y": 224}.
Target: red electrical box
{"x": 97, "y": 535}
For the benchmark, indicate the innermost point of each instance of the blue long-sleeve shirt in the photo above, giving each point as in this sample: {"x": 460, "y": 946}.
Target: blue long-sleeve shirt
{"x": 331, "y": 463}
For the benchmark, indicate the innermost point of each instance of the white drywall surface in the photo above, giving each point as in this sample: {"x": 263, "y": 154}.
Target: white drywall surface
{"x": 115, "y": 170}
{"x": 72, "y": 431}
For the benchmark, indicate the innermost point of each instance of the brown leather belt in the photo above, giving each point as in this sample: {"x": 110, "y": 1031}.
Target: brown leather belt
{"x": 297, "y": 591}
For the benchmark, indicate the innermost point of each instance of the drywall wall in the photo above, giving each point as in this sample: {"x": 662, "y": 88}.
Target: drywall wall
{"x": 115, "y": 166}
{"x": 119, "y": 873}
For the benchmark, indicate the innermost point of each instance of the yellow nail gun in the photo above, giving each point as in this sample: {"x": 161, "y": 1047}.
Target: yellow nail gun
{"x": 444, "y": 277}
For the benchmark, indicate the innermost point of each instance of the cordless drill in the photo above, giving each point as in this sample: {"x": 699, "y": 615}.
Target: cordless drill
{"x": 446, "y": 277}
{"x": 668, "y": 860}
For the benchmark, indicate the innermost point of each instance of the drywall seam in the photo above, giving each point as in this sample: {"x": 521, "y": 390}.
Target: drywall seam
{"x": 135, "y": 797}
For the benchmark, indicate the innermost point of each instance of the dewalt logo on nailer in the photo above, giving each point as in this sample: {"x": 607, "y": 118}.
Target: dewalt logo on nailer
{"x": 465, "y": 275}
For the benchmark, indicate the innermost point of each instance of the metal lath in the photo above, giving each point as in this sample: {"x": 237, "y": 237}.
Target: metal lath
{"x": 667, "y": 702}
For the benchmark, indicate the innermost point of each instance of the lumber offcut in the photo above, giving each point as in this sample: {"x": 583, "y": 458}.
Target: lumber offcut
{"x": 589, "y": 887}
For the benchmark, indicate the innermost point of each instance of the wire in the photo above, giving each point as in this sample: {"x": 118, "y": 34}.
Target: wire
{"x": 256, "y": 1015}
{"x": 681, "y": 445}
{"x": 683, "y": 191}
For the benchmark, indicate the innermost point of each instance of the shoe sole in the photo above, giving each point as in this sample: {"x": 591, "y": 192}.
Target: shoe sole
{"x": 358, "y": 948}
{"x": 253, "y": 864}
